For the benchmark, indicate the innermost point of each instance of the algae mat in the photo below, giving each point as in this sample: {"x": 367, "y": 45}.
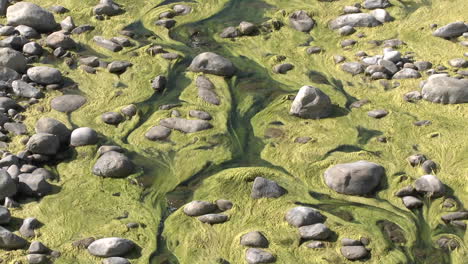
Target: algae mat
{"x": 247, "y": 141}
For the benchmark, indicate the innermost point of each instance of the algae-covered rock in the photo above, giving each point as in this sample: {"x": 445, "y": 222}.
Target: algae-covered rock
{"x": 114, "y": 165}
{"x": 111, "y": 247}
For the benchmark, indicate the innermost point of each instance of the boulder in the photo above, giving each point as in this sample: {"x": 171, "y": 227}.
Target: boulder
{"x": 257, "y": 256}
{"x": 32, "y": 49}
{"x": 381, "y": 15}
{"x": 29, "y": 14}
{"x": 54, "y": 127}
{"x": 301, "y": 21}
{"x": 356, "y": 178}
{"x": 354, "y": 252}
{"x": 24, "y": 89}
{"x": 8, "y": 75}
{"x": 354, "y": 20}
{"x": 5, "y": 215}
{"x": 158, "y": 133}
{"x": 206, "y": 90}
{"x": 311, "y": 103}
{"x": 317, "y": 231}
{"x": 224, "y": 205}
{"x": 107, "y": 44}
{"x": 353, "y": 67}
{"x": 37, "y": 247}
{"x": 430, "y": 185}
{"x": 303, "y": 216}
{"x": 451, "y": 30}
{"x": 108, "y": 8}
{"x": 83, "y": 136}
{"x": 33, "y": 185}
{"x": 28, "y": 226}
{"x": 407, "y": 73}
{"x": 411, "y": 202}
{"x": 60, "y": 40}
{"x": 27, "y": 32}
{"x": 265, "y": 188}
{"x": 114, "y": 165}
{"x": 10, "y": 241}
{"x": 185, "y": 125}
{"x": 12, "y": 59}
{"x": 67, "y": 103}
{"x": 110, "y": 247}
{"x": 254, "y": 239}
{"x": 44, "y": 75}
{"x": 112, "y": 118}
{"x": 43, "y": 143}
{"x": 212, "y": 63}
{"x": 37, "y": 259}
{"x": 445, "y": 90}
{"x": 118, "y": 67}
{"x": 198, "y": 208}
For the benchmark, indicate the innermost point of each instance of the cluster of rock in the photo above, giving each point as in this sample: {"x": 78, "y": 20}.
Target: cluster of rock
{"x": 256, "y": 241}
{"x": 207, "y": 212}
{"x": 165, "y": 18}
{"x": 115, "y": 118}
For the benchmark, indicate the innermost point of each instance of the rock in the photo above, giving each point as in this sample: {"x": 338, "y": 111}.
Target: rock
{"x": 54, "y": 127}
{"x": 247, "y": 28}
{"x": 379, "y": 113}
{"x": 129, "y": 110}
{"x": 302, "y": 140}
{"x": 346, "y": 30}
{"x": 445, "y": 90}
{"x": 423, "y": 65}
{"x": 451, "y": 30}
{"x": 315, "y": 244}
{"x": 33, "y": 185}
{"x": 118, "y": 67}
{"x": 230, "y": 32}
{"x": 353, "y": 67}
{"x": 355, "y": 20}
{"x": 37, "y": 247}
{"x": 447, "y": 243}
{"x": 159, "y": 83}
{"x": 15, "y": 128}
{"x": 108, "y": 8}
{"x": 338, "y": 59}
{"x": 27, "y": 32}
{"x": 15, "y": 42}
{"x": 351, "y": 10}
{"x": 185, "y": 125}
{"x": 158, "y": 133}
{"x": 122, "y": 41}
{"x": 24, "y": 89}
{"x": 28, "y": 226}
{"x": 82, "y": 29}
{"x": 8, "y": 75}
{"x": 37, "y": 259}
{"x": 10, "y": 241}
{"x": 206, "y": 90}
{"x": 213, "y": 218}
{"x": 314, "y": 50}
{"x": 430, "y": 185}
{"x": 373, "y": 4}
{"x": 412, "y": 96}
{"x": 115, "y": 260}
{"x": 106, "y": 148}
{"x": 83, "y": 136}
{"x": 429, "y": 166}
{"x": 112, "y": 118}
{"x": 200, "y": 114}
{"x": 91, "y": 61}
{"x": 407, "y": 73}
{"x": 12, "y": 59}
{"x": 212, "y": 63}
{"x": 43, "y": 143}
{"x": 389, "y": 66}
{"x": 110, "y": 247}
{"x": 59, "y": 9}
{"x": 393, "y": 56}
{"x": 301, "y": 21}
{"x": 170, "y": 56}
{"x": 67, "y": 24}
{"x": 83, "y": 243}
{"x": 256, "y": 256}
{"x": 167, "y": 23}
{"x": 254, "y": 239}
{"x": 67, "y": 103}
{"x": 5, "y": 215}
{"x": 114, "y": 165}
{"x": 32, "y": 15}
{"x": 412, "y": 202}
{"x": 224, "y": 205}
{"x": 7, "y": 30}
{"x": 198, "y": 208}
{"x": 32, "y": 48}
{"x": 311, "y": 103}
{"x": 317, "y": 231}
{"x": 455, "y": 216}
{"x": 458, "y": 63}
{"x": 44, "y": 75}
{"x": 354, "y": 252}
{"x": 406, "y": 191}
{"x": 416, "y": 159}
{"x": 303, "y": 216}
{"x": 60, "y": 40}
{"x": 283, "y": 68}
{"x": 107, "y": 44}
{"x": 356, "y": 178}
{"x": 264, "y": 188}
{"x": 348, "y": 43}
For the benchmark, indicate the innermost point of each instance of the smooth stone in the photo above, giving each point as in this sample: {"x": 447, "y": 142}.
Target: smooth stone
{"x": 115, "y": 260}
{"x": 455, "y": 216}
{"x": 114, "y": 165}
{"x": 379, "y": 113}
{"x": 158, "y": 133}
{"x": 37, "y": 247}
{"x": 159, "y": 83}
{"x": 353, "y": 67}
{"x": 315, "y": 244}
{"x": 5, "y": 215}
{"x": 108, "y": 8}
{"x": 230, "y": 32}
{"x": 32, "y": 15}
{"x": 10, "y": 241}
{"x": 212, "y": 63}
{"x": 373, "y": 4}
{"x": 311, "y": 103}
{"x": 43, "y": 143}
{"x": 67, "y": 103}
{"x": 111, "y": 247}
{"x": 265, "y": 188}
{"x": 107, "y": 44}
{"x": 213, "y": 218}
{"x": 354, "y": 20}
{"x": 54, "y": 127}
{"x": 182, "y": 9}
{"x": 206, "y": 90}
{"x": 37, "y": 259}
{"x": 44, "y": 75}
{"x": 303, "y": 216}
{"x": 301, "y": 21}
{"x": 429, "y": 166}
{"x": 412, "y": 202}
{"x": 15, "y": 128}
{"x": 32, "y": 48}
{"x": 224, "y": 205}
{"x": 198, "y": 208}
{"x": 24, "y": 89}
{"x": 34, "y": 185}
{"x": 254, "y": 239}
{"x": 257, "y": 256}
{"x": 118, "y": 67}
{"x": 83, "y": 136}
{"x": 185, "y": 125}
{"x": 112, "y": 118}
{"x": 60, "y": 40}
{"x": 200, "y": 114}
{"x": 445, "y": 90}
{"x": 354, "y": 252}
{"x": 283, "y": 68}
{"x": 28, "y": 227}
{"x": 430, "y": 185}
{"x": 381, "y": 15}
{"x": 407, "y": 73}
{"x": 451, "y": 30}
{"x": 12, "y": 59}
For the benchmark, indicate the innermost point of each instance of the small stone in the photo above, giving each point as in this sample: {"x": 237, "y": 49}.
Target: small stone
{"x": 213, "y": 218}
{"x": 254, "y": 239}
{"x": 412, "y": 202}
{"x": 257, "y": 256}
{"x": 265, "y": 188}
{"x": 198, "y": 208}
{"x": 379, "y": 113}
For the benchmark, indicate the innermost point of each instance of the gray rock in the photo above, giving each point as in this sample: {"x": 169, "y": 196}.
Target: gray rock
{"x": 27, "y": 32}
{"x": 12, "y": 59}
{"x": 353, "y": 67}
{"x": 338, "y": 59}
{"x": 60, "y": 40}
{"x": 91, "y": 61}
{"x": 82, "y": 29}
{"x": 114, "y": 165}
{"x": 110, "y": 247}
{"x": 15, "y": 42}
{"x": 32, "y": 48}
{"x": 412, "y": 202}
{"x": 115, "y": 260}
{"x": 54, "y": 127}
{"x": 8, "y": 75}
{"x": 430, "y": 185}
{"x": 373, "y": 4}
{"x": 67, "y": 103}
{"x": 198, "y": 208}
{"x": 7, "y": 30}
{"x": 423, "y": 65}
{"x": 29, "y": 14}
{"x": 354, "y": 252}
{"x": 24, "y": 89}
{"x": 83, "y": 243}
{"x": 265, "y": 188}
{"x": 412, "y": 96}
{"x": 311, "y": 103}
{"x": 118, "y": 67}
{"x": 455, "y": 216}
{"x": 37, "y": 247}
{"x": 429, "y": 166}
{"x": 445, "y": 90}
{"x": 247, "y": 28}
{"x": 224, "y": 205}
{"x": 407, "y": 73}
{"x": 315, "y": 244}
{"x": 129, "y": 110}
{"x": 390, "y": 67}
{"x": 416, "y": 159}
{"x": 185, "y": 125}
{"x": 206, "y": 90}
{"x": 33, "y": 185}
{"x": 3, "y": 7}
{"x": 317, "y": 231}
{"x": 107, "y": 44}
{"x": 406, "y": 191}
{"x": 67, "y": 24}
{"x": 392, "y": 55}
{"x": 213, "y": 218}
{"x": 355, "y": 178}
{"x": 257, "y": 256}
{"x": 355, "y": 20}
{"x": 301, "y": 21}
{"x": 112, "y": 118}
{"x": 158, "y": 133}
{"x": 254, "y": 239}
{"x": 200, "y": 114}
{"x": 5, "y": 215}
{"x": 378, "y": 113}
{"x": 15, "y": 128}
{"x": 212, "y": 63}
{"x": 28, "y": 227}
{"x": 182, "y": 9}
{"x": 159, "y": 83}
{"x": 10, "y": 241}
{"x": 451, "y": 30}
{"x": 458, "y": 63}
{"x": 351, "y": 10}
{"x": 230, "y": 32}
{"x": 167, "y": 23}
{"x": 346, "y": 30}
{"x": 83, "y": 136}
{"x": 283, "y": 68}
{"x": 44, "y": 75}
{"x": 37, "y": 259}
{"x": 108, "y": 8}
{"x": 303, "y": 216}
{"x": 43, "y": 143}
{"x": 348, "y": 43}
{"x": 58, "y": 9}
{"x": 122, "y": 41}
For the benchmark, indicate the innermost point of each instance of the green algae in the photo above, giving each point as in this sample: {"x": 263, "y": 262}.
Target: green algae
{"x": 222, "y": 162}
